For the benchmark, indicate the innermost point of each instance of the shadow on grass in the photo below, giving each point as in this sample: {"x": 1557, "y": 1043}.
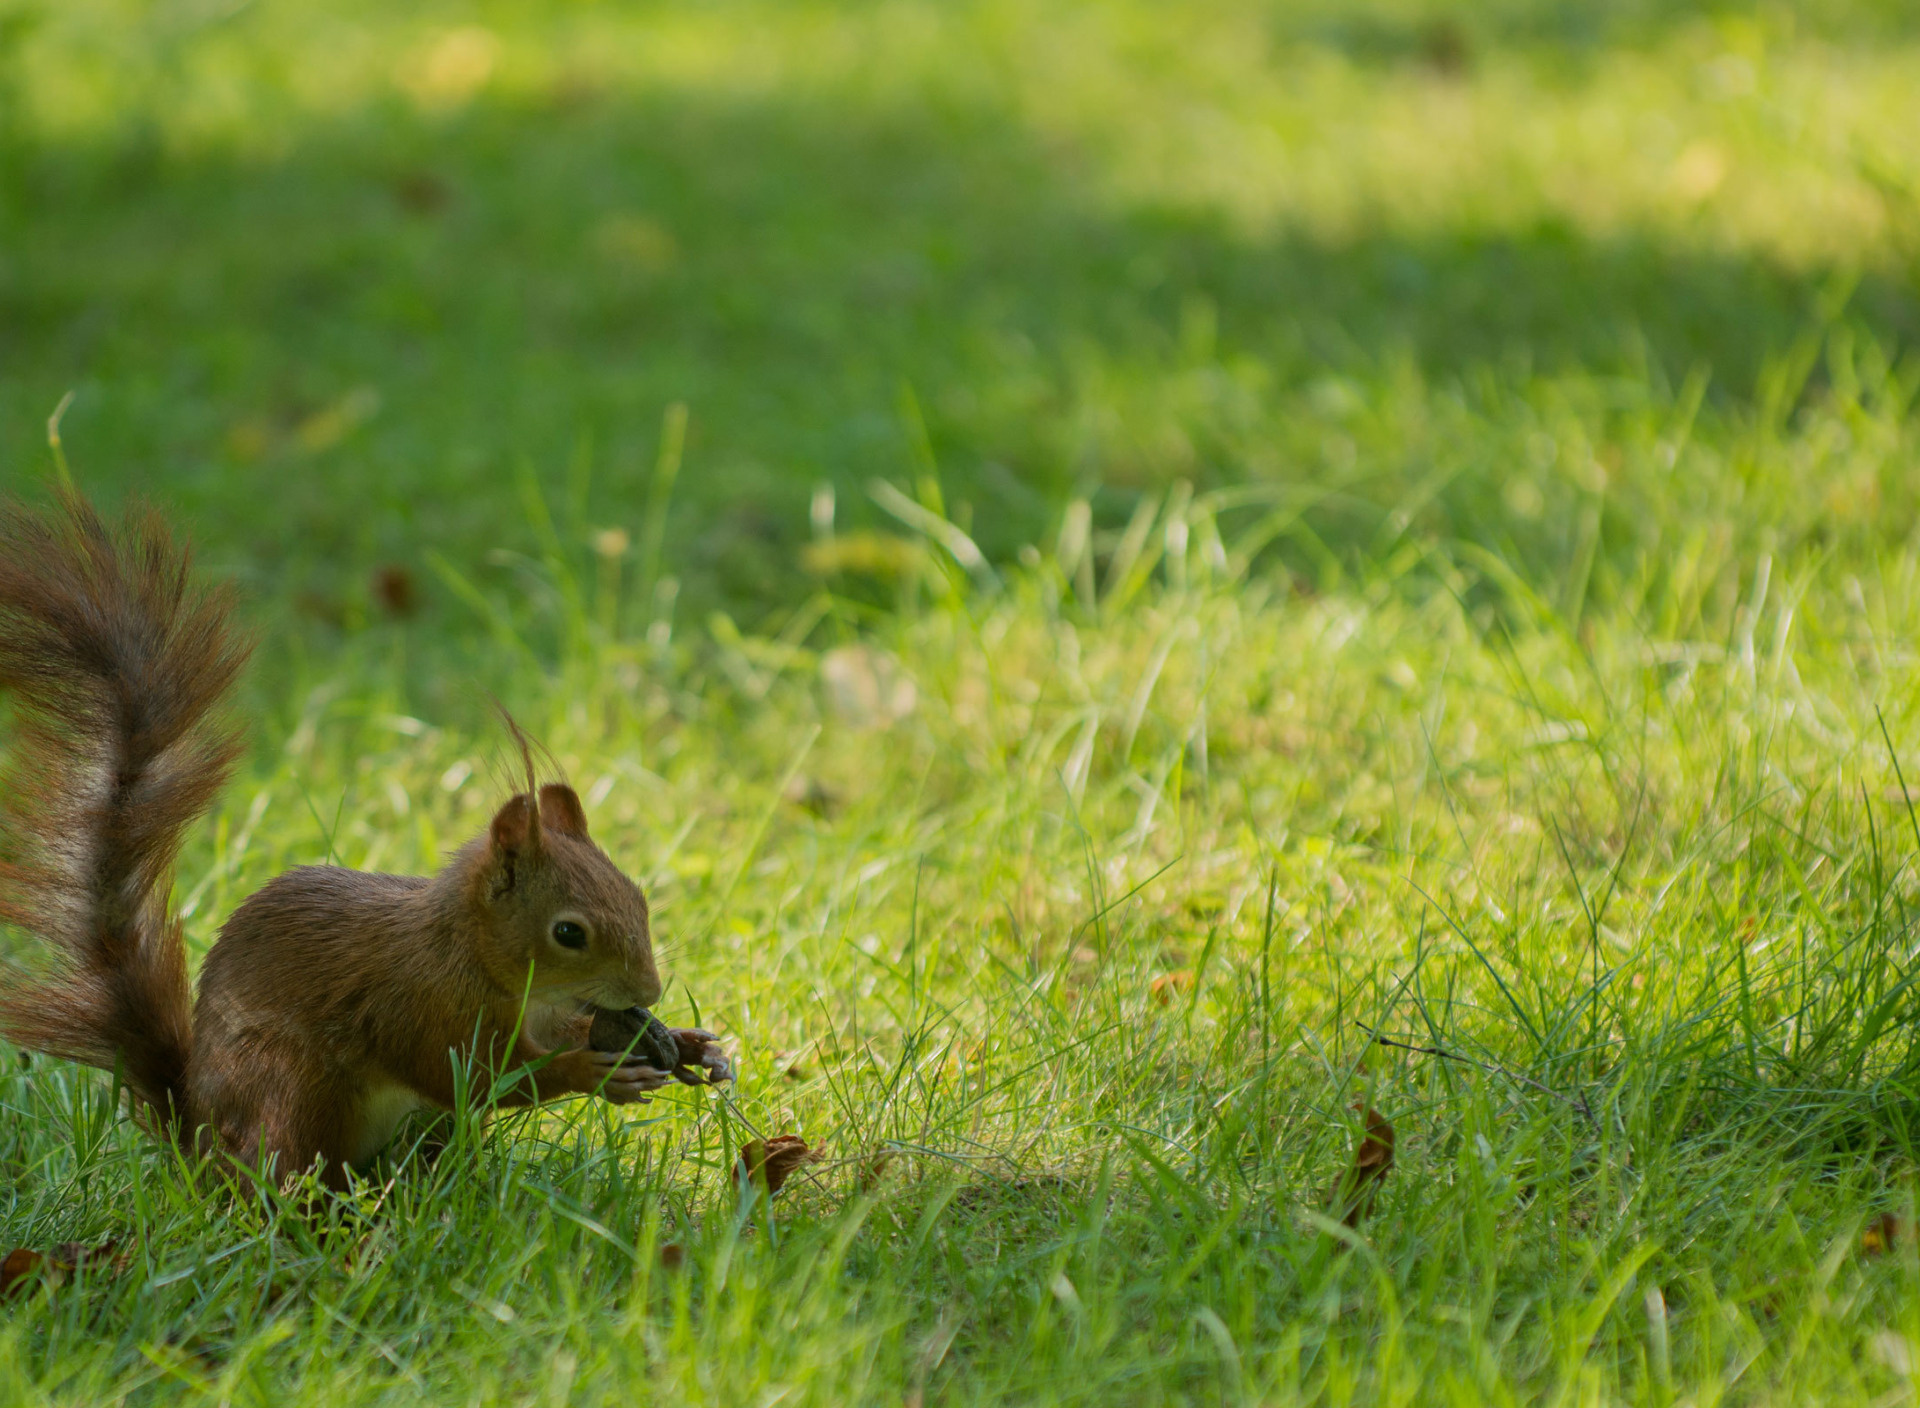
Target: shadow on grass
{"x": 1449, "y": 38}
{"x": 340, "y": 356}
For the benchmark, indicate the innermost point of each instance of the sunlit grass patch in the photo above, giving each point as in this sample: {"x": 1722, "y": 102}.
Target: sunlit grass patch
{"x": 1072, "y": 961}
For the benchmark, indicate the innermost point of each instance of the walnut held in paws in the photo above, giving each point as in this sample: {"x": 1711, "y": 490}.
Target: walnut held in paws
{"x": 693, "y": 1056}
{"x": 637, "y": 1030}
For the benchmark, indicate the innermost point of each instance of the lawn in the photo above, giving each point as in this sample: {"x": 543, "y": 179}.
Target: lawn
{"x": 1095, "y": 559}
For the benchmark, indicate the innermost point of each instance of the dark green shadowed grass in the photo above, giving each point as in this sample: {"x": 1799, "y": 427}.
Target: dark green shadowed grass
{"x": 1561, "y": 294}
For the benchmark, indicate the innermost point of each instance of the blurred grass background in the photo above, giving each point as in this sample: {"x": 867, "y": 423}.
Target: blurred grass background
{"x": 1545, "y": 277}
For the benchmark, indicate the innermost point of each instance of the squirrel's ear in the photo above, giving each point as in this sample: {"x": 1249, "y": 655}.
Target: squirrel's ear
{"x": 516, "y": 827}
{"x": 560, "y": 808}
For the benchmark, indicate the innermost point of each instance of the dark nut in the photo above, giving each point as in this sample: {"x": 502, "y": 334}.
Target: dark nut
{"x": 635, "y": 1030}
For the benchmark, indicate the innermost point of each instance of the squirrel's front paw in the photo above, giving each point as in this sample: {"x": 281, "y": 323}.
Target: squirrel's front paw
{"x": 702, "y": 1062}
{"x": 611, "y": 1075}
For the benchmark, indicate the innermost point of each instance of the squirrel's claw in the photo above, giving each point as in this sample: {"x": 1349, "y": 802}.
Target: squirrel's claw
{"x": 702, "y": 1062}
{"x": 621, "y": 1080}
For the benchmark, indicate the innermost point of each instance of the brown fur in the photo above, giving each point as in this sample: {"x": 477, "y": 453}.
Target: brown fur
{"x": 115, "y": 665}
{"x": 333, "y": 999}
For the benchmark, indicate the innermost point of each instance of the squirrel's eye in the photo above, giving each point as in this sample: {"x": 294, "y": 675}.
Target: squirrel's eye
{"x": 568, "y": 934}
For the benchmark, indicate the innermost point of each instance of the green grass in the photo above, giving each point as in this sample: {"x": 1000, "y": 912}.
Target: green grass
{"x": 1446, "y": 566}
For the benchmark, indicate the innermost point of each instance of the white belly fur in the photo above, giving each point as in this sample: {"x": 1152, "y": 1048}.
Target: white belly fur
{"x": 381, "y": 1112}
{"x": 385, "y": 1106}
{"x": 549, "y": 1025}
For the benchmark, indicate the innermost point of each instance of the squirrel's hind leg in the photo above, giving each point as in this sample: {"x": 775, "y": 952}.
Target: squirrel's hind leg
{"x": 273, "y": 1111}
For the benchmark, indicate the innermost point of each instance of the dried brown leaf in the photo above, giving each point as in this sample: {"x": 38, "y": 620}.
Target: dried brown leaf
{"x": 1885, "y": 1233}
{"x": 421, "y": 193}
{"x": 770, "y": 1163}
{"x": 673, "y": 1256}
{"x": 395, "y": 590}
{"x": 18, "y": 1269}
{"x": 1371, "y": 1161}
{"x": 23, "y": 1265}
{"x": 1167, "y": 986}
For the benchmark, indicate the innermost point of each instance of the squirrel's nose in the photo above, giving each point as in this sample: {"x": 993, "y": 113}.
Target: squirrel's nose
{"x": 650, "y": 988}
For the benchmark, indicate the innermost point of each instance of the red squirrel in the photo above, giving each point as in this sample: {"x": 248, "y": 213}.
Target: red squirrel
{"x": 334, "y": 1001}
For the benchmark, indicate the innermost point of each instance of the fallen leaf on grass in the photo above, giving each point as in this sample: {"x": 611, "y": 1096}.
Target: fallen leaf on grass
{"x": 673, "y": 1256}
{"x": 395, "y": 590}
{"x": 19, "y": 1265}
{"x": 1370, "y": 1164}
{"x": 772, "y": 1162}
{"x": 22, "y": 1265}
{"x": 1885, "y": 1233}
{"x": 421, "y": 193}
{"x": 1167, "y": 986}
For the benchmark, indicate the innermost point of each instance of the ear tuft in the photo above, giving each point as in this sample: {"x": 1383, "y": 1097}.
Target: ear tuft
{"x": 560, "y": 809}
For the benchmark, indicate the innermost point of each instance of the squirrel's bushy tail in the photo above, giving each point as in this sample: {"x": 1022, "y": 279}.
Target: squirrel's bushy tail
{"x": 114, "y": 667}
